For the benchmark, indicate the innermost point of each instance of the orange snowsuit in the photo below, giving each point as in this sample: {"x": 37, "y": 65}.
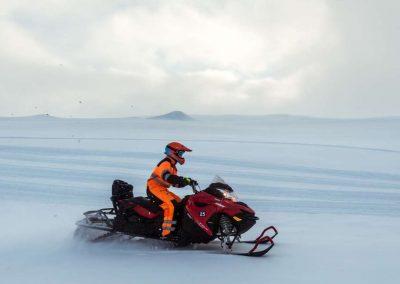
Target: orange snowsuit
{"x": 157, "y": 186}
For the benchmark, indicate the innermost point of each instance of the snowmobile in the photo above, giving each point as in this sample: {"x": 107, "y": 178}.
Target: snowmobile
{"x": 205, "y": 215}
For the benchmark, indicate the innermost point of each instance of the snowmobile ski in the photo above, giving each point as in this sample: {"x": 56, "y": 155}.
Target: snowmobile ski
{"x": 262, "y": 234}
{"x": 257, "y": 253}
{"x": 262, "y": 239}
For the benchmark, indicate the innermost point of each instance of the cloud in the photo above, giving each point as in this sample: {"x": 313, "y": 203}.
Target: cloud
{"x": 19, "y": 45}
{"x": 198, "y": 56}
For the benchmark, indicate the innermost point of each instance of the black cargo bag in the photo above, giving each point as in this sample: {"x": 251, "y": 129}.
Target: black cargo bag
{"x": 121, "y": 190}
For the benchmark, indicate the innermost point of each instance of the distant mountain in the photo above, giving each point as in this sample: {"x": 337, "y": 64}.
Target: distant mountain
{"x": 31, "y": 117}
{"x": 40, "y": 116}
{"x": 175, "y": 115}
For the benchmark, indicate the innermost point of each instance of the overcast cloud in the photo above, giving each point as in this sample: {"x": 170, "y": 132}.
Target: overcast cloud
{"x": 122, "y": 58}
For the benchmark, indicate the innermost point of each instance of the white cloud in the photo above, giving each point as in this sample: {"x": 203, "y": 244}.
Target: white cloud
{"x": 220, "y": 54}
{"x": 191, "y": 39}
{"x": 200, "y": 56}
{"x": 17, "y": 44}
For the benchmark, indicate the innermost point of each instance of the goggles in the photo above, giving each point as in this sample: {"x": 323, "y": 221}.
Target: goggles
{"x": 180, "y": 153}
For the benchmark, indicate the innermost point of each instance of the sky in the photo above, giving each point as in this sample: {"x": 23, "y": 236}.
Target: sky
{"x": 77, "y": 58}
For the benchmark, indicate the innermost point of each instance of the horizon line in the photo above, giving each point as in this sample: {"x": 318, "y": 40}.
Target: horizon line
{"x": 165, "y": 116}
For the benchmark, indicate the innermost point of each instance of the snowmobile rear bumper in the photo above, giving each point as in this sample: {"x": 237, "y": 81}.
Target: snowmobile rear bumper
{"x": 98, "y": 220}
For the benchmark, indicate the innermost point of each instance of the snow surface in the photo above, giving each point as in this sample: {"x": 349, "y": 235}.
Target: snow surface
{"x": 332, "y": 187}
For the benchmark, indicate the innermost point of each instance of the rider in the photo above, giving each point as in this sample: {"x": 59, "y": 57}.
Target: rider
{"x": 165, "y": 175}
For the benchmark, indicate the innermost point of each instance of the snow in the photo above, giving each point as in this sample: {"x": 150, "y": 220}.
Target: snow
{"x": 332, "y": 187}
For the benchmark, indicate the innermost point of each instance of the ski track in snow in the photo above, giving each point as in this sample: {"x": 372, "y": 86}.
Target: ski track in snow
{"x": 44, "y": 167}
{"x": 202, "y": 140}
{"x": 337, "y": 206}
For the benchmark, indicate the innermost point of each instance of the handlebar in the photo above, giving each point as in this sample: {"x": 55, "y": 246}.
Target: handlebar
{"x": 194, "y": 188}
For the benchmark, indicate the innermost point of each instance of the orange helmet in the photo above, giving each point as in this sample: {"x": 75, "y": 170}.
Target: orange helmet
{"x": 175, "y": 150}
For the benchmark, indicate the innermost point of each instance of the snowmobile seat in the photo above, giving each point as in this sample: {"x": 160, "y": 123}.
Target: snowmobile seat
{"x": 142, "y": 206}
{"x": 147, "y": 203}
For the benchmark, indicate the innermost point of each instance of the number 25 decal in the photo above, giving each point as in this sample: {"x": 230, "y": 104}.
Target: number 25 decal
{"x": 202, "y": 214}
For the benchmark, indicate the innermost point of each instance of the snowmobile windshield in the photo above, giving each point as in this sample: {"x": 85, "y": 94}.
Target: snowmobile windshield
{"x": 230, "y": 195}
{"x": 219, "y": 188}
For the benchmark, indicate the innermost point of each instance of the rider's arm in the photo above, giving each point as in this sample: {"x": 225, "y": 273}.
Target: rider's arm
{"x": 176, "y": 181}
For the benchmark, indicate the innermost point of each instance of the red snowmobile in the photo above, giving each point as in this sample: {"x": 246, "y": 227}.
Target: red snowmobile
{"x": 206, "y": 215}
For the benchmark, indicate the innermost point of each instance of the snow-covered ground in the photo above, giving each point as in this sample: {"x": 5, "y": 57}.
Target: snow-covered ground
{"x": 332, "y": 187}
